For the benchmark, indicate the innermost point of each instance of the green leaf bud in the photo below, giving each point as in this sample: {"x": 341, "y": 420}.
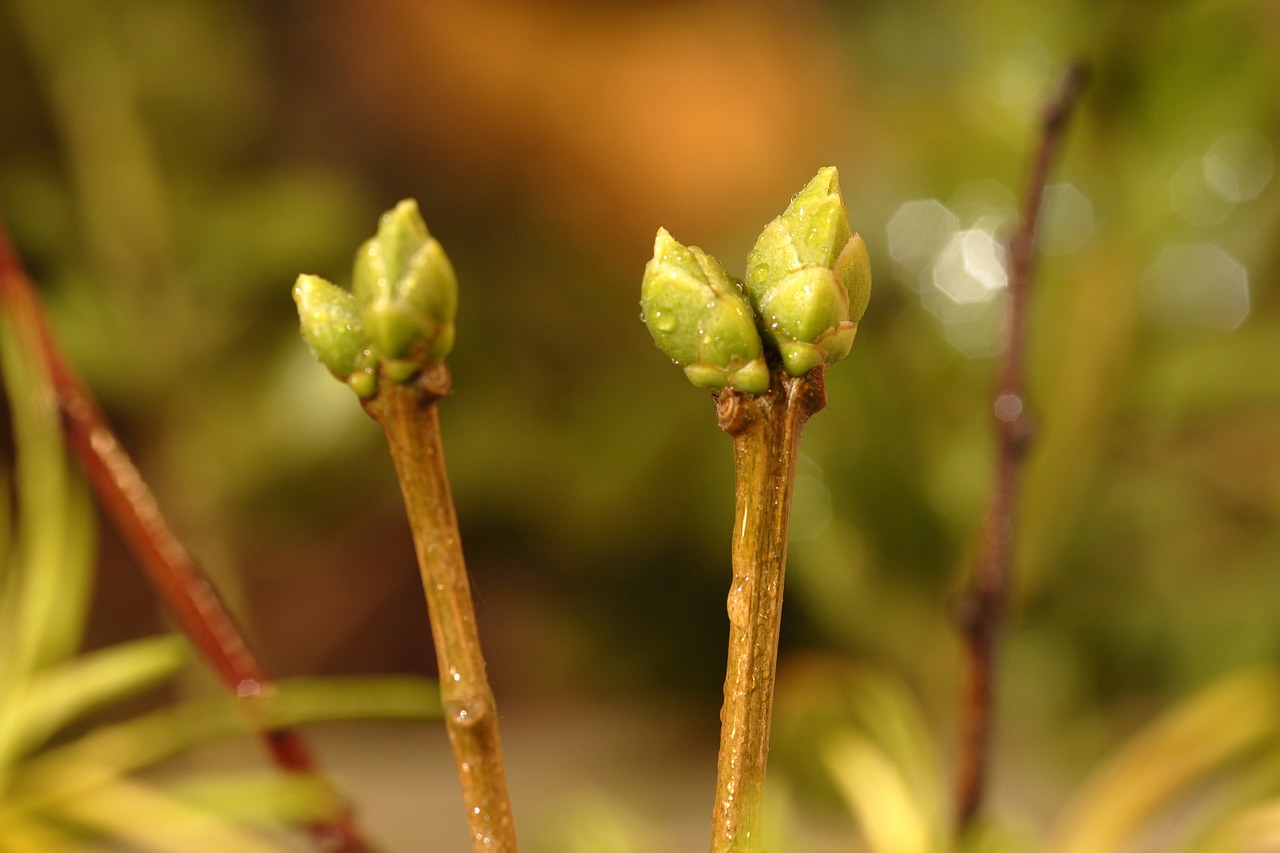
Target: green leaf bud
{"x": 699, "y": 316}
{"x": 406, "y": 288}
{"x": 809, "y": 278}
{"x": 331, "y": 325}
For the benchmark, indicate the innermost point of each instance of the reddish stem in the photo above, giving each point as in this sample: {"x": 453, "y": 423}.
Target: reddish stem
{"x": 982, "y": 610}
{"x": 182, "y": 587}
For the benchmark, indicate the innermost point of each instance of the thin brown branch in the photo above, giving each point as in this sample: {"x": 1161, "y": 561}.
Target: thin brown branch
{"x": 407, "y": 413}
{"x": 982, "y": 611}
{"x": 766, "y": 431}
{"x": 182, "y": 587}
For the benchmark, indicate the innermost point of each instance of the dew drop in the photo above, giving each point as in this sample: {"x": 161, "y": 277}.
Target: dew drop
{"x": 465, "y": 713}
{"x": 663, "y": 321}
{"x": 739, "y": 604}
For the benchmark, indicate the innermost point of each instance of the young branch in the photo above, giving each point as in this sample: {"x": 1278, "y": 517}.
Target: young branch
{"x": 407, "y": 413}
{"x": 766, "y": 432}
{"x": 982, "y": 610}
{"x": 387, "y": 339}
{"x": 765, "y": 344}
{"x": 182, "y": 587}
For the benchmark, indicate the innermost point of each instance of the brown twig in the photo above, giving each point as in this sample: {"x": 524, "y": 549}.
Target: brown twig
{"x": 182, "y": 587}
{"x": 766, "y": 431}
{"x": 982, "y": 610}
{"x": 407, "y": 413}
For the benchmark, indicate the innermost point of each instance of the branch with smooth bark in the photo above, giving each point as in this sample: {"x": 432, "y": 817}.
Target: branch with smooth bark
{"x": 981, "y": 613}
{"x": 387, "y": 339}
{"x": 763, "y": 346}
{"x": 407, "y": 413}
{"x": 766, "y": 431}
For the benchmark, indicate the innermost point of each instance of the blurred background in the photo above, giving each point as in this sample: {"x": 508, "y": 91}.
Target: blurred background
{"x": 168, "y": 168}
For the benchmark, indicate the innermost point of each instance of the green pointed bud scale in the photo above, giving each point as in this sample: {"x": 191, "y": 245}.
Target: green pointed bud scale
{"x": 331, "y": 327}
{"x": 406, "y": 289}
{"x": 699, "y": 316}
{"x": 809, "y": 278}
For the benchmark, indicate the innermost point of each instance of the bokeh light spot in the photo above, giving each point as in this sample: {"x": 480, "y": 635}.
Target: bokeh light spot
{"x": 918, "y": 231}
{"x": 1196, "y": 285}
{"x": 971, "y": 268}
{"x": 1238, "y": 165}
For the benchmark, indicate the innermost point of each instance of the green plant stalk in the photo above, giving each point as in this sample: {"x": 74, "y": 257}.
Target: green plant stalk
{"x": 766, "y": 432}
{"x": 407, "y": 413}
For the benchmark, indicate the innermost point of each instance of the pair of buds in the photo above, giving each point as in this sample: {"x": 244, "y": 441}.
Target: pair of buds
{"x": 808, "y": 283}
{"x": 399, "y": 313}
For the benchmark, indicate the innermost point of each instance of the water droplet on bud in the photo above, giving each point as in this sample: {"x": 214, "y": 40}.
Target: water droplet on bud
{"x": 664, "y": 321}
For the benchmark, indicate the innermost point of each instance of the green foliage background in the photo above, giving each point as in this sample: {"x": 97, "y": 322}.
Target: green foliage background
{"x": 167, "y": 168}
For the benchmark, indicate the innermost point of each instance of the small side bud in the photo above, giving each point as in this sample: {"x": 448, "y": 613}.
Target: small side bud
{"x": 331, "y": 327}
{"x": 699, "y": 316}
{"x": 809, "y": 278}
{"x": 406, "y": 289}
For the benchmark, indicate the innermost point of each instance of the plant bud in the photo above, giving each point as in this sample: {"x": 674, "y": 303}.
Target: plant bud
{"x": 699, "y": 316}
{"x": 331, "y": 327}
{"x": 406, "y": 289}
{"x": 399, "y": 316}
{"x": 809, "y": 278}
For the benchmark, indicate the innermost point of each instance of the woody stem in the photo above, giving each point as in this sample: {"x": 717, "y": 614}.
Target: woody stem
{"x": 407, "y": 413}
{"x": 766, "y": 432}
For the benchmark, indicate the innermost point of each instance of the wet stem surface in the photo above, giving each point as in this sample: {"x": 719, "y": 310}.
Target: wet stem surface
{"x": 766, "y": 430}
{"x": 407, "y": 412}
